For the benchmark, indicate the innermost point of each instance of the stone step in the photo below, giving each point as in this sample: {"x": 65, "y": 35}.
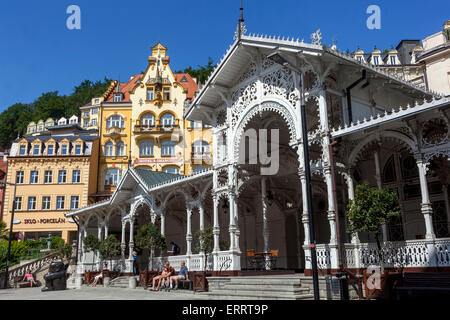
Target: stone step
{"x": 251, "y": 295}
{"x": 262, "y": 282}
{"x": 280, "y": 289}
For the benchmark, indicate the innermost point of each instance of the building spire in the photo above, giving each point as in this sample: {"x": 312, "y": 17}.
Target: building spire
{"x": 118, "y": 90}
{"x": 241, "y": 30}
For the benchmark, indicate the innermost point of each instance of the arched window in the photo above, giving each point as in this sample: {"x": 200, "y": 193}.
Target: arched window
{"x": 120, "y": 149}
{"x": 167, "y": 120}
{"x": 146, "y": 149}
{"x": 148, "y": 120}
{"x": 173, "y": 170}
{"x": 168, "y": 148}
{"x": 113, "y": 177}
{"x": 115, "y": 121}
{"x": 200, "y": 146}
{"x": 109, "y": 149}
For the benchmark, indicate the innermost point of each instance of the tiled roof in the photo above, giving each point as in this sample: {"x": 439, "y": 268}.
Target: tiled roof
{"x": 58, "y": 138}
{"x": 190, "y": 84}
{"x": 152, "y": 178}
{"x": 125, "y": 88}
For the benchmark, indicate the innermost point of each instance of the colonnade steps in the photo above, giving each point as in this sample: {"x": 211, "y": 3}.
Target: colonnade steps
{"x": 121, "y": 282}
{"x": 281, "y": 287}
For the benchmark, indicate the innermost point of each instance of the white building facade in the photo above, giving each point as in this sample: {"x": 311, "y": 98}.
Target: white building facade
{"x": 378, "y": 128}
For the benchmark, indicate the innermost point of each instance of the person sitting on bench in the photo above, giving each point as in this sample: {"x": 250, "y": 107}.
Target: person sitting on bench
{"x": 100, "y": 275}
{"x": 165, "y": 275}
{"x": 29, "y": 278}
{"x": 182, "y": 275}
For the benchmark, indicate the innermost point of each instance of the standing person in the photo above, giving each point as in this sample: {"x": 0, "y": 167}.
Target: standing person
{"x": 135, "y": 268}
{"x": 182, "y": 275}
{"x": 175, "y": 249}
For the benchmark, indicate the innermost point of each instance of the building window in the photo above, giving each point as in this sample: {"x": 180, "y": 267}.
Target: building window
{"x": 113, "y": 177}
{"x": 74, "y": 202}
{"x": 195, "y": 124}
{"x": 149, "y": 94}
{"x": 78, "y": 149}
{"x": 168, "y": 148}
{"x": 62, "y": 176}
{"x": 166, "y": 94}
{"x": 94, "y": 122}
{"x": 20, "y": 175}
{"x": 115, "y": 121}
{"x": 18, "y": 203}
{"x": 375, "y": 60}
{"x": 50, "y": 149}
{"x": 86, "y": 113}
{"x": 173, "y": 170}
{"x": 86, "y": 123}
{"x": 148, "y": 120}
{"x": 109, "y": 149}
{"x": 76, "y": 176}
{"x": 36, "y": 149}
{"x": 23, "y": 150}
{"x": 168, "y": 120}
{"x": 393, "y": 61}
{"x": 46, "y": 203}
{"x": 95, "y": 110}
{"x": 146, "y": 149}
{"x": 96, "y": 101}
{"x": 64, "y": 149}
{"x": 200, "y": 147}
{"x": 31, "y": 203}
{"x": 48, "y": 176}
{"x": 34, "y": 177}
{"x": 120, "y": 149}
{"x": 359, "y": 58}
{"x": 118, "y": 98}
{"x": 60, "y": 202}
{"x": 199, "y": 169}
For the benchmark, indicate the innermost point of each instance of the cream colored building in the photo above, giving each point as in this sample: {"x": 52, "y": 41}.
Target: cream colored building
{"x": 436, "y": 60}
{"x": 54, "y": 174}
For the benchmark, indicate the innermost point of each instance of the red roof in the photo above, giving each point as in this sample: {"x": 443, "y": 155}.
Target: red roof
{"x": 189, "y": 84}
{"x": 125, "y": 87}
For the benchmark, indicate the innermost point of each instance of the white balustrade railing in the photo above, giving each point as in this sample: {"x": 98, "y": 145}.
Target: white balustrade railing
{"x": 406, "y": 254}
{"x": 323, "y": 256}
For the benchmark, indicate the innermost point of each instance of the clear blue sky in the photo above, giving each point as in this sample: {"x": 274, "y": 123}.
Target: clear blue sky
{"x": 39, "y": 54}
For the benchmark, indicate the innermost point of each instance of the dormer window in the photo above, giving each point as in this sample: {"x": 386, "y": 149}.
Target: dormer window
{"x": 393, "y": 60}
{"x": 359, "y": 58}
{"x": 78, "y": 149}
{"x": 64, "y": 149}
{"x": 36, "y": 150}
{"x": 23, "y": 150}
{"x": 50, "y": 149}
{"x": 184, "y": 79}
{"x": 94, "y": 110}
{"x": 375, "y": 60}
{"x": 118, "y": 97}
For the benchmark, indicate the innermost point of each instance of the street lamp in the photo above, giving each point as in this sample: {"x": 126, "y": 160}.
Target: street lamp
{"x": 279, "y": 59}
{"x": 10, "y": 230}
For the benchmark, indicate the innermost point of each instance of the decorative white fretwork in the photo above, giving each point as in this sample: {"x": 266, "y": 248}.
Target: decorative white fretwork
{"x": 242, "y": 98}
{"x": 281, "y": 83}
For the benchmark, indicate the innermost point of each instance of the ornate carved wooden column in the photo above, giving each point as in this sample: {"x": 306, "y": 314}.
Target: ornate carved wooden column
{"x": 380, "y": 186}
{"x": 188, "y": 231}
{"x": 216, "y": 228}
{"x": 266, "y": 234}
{"x": 131, "y": 243}
{"x": 426, "y": 207}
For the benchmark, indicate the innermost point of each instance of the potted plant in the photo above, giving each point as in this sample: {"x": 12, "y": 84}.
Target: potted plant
{"x": 91, "y": 243}
{"x": 108, "y": 249}
{"x": 203, "y": 240}
{"x": 370, "y": 209}
{"x": 149, "y": 237}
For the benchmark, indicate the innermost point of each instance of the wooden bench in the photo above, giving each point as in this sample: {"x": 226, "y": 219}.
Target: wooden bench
{"x": 429, "y": 283}
{"x": 186, "y": 284}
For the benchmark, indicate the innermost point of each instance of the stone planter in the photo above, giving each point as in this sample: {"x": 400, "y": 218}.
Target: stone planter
{"x": 132, "y": 282}
{"x": 106, "y": 281}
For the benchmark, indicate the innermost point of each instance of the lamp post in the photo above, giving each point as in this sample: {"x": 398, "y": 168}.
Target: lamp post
{"x": 10, "y": 231}
{"x": 279, "y": 59}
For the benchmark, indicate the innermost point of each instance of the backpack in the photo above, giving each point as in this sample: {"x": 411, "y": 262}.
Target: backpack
{"x": 177, "y": 249}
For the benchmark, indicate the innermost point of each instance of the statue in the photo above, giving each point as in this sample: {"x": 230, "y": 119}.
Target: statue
{"x": 55, "y": 279}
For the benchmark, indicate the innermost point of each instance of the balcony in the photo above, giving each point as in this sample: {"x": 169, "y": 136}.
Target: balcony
{"x": 201, "y": 156}
{"x": 155, "y": 128}
{"x": 114, "y": 132}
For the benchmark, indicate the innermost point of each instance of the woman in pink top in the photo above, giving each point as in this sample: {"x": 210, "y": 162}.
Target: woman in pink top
{"x": 29, "y": 278}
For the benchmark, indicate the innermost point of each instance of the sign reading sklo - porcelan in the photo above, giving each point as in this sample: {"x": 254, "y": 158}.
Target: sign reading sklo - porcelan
{"x": 44, "y": 221}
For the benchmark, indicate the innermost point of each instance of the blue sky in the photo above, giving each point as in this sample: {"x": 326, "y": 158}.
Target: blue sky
{"x": 39, "y": 54}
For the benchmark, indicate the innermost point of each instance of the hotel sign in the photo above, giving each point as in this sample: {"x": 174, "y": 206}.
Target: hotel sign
{"x": 160, "y": 160}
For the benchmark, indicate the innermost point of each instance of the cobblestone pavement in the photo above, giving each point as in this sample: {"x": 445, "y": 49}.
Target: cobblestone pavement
{"x": 97, "y": 293}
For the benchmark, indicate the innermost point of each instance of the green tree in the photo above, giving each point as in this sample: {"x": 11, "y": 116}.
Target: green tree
{"x": 203, "y": 242}
{"x": 370, "y": 209}
{"x": 109, "y": 248}
{"x": 149, "y": 237}
{"x": 4, "y": 231}
{"x": 56, "y": 242}
{"x": 202, "y": 73}
{"x": 64, "y": 251}
{"x": 91, "y": 243}
{"x": 18, "y": 250}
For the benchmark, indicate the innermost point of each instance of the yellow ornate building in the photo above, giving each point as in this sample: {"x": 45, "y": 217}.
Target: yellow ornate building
{"x": 54, "y": 173}
{"x": 140, "y": 122}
